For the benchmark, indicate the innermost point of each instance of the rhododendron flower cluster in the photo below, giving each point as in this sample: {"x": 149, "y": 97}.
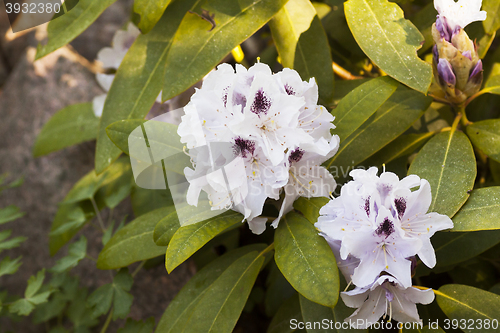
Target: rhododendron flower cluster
{"x": 254, "y": 135}
{"x": 376, "y": 227}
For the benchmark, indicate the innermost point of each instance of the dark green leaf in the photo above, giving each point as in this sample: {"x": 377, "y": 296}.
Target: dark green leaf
{"x": 166, "y": 228}
{"x": 134, "y": 242}
{"x": 150, "y": 12}
{"x": 69, "y": 126}
{"x": 132, "y": 326}
{"x": 76, "y": 252}
{"x": 287, "y": 312}
{"x": 480, "y": 212}
{"x": 119, "y": 132}
{"x": 389, "y": 40}
{"x": 10, "y": 213}
{"x": 485, "y": 135}
{"x": 309, "y": 207}
{"x": 31, "y": 298}
{"x": 492, "y": 84}
{"x": 423, "y": 21}
{"x": 144, "y": 200}
{"x": 8, "y": 266}
{"x": 306, "y": 260}
{"x": 447, "y": 161}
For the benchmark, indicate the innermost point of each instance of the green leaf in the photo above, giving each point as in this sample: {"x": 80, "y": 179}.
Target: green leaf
{"x": 483, "y": 39}
{"x": 134, "y": 242}
{"x": 25, "y": 306}
{"x": 144, "y": 200}
{"x": 289, "y": 310}
{"x": 198, "y": 46}
{"x": 278, "y": 290}
{"x": 492, "y": 22}
{"x": 132, "y": 326}
{"x": 355, "y": 108}
{"x": 424, "y": 20}
{"x": 492, "y": 84}
{"x": 303, "y": 45}
{"x": 11, "y": 243}
{"x": 403, "y": 145}
{"x": 306, "y": 260}
{"x": 455, "y": 247}
{"x": 64, "y": 28}
{"x": 100, "y": 300}
{"x": 480, "y": 212}
{"x": 309, "y": 207}
{"x": 448, "y": 163}
{"x": 190, "y": 238}
{"x": 459, "y": 302}
{"x": 392, "y": 119}
{"x": 485, "y": 135}
{"x": 220, "y": 306}
{"x": 8, "y": 266}
{"x": 150, "y": 12}
{"x": 69, "y": 126}
{"x": 10, "y": 213}
{"x": 179, "y": 311}
{"x": 76, "y": 252}
{"x": 314, "y": 312}
{"x": 139, "y": 79}
{"x": 389, "y": 40}
{"x": 119, "y": 132}
{"x": 166, "y": 228}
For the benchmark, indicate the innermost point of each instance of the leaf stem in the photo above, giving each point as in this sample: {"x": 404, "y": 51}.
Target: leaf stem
{"x": 461, "y": 110}
{"x": 267, "y": 249}
{"x": 138, "y": 268}
{"x": 476, "y": 95}
{"x": 91, "y": 258}
{"x": 344, "y": 73}
{"x": 99, "y": 218}
{"x": 108, "y": 320}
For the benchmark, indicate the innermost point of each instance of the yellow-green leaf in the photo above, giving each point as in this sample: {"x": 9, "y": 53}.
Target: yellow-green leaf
{"x": 480, "y": 212}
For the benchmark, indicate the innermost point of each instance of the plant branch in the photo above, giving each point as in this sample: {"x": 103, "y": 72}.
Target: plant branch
{"x": 99, "y": 218}
{"x": 138, "y": 268}
{"x": 108, "y": 320}
{"x": 344, "y": 73}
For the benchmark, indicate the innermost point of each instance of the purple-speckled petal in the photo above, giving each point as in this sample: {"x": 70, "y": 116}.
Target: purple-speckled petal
{"x": 478, "y": 69}
{"x": 442, "y": 27}
{"x": 446, "y": 71}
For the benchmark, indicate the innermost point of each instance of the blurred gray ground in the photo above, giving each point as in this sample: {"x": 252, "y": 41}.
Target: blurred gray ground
{"x": 30, "y": 93}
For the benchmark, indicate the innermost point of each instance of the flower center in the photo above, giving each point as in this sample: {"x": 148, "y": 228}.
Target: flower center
{"x": 400, "y": 204}
{"x": 386, "y": 228}
{"x": 261, "y": 103}
{"x": 289, "y": 90}
{"x": 243, "y": 147}
{"x": 296, "y": 155}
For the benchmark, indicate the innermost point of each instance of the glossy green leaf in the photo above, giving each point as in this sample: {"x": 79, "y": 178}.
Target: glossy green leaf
{"x": 492, "y": 84}
{"x": 180, "y": 310}
{"x": 220, "y": 306}
{"x": 448, "y": 163}
{"x": 150, "y": 12}
{"x": 119, "y": 132}
{"x": 138, "y": 81}
{"x": 306, "y": 260}
{"x": 480, "y": 212}
{"x": 303, "y": 45}
{"x": 485, "y": 135}
{"x": 8, "y": 266}
{"x": 403, "y": 145}
{"x": 10, "y": 213}
{"x": 287, "y": 313}
{"x": 69, "y": 126}
{"x": 483, "y": 39}
{"x": 455, "y": 247}
{"x": 492, "y": 22}
{"x": 144, "y": 200}
{"x": 64, "y": 28}
{"x": 25, "y": 306}
{"x": 190, "y": 238}
{"x": 391, "y": 120}
{"x": 424, "y": 20}
{"x": 309, "y": 207}
{"x": 134, "y": 242}
{"x": 314, "y": 312}
{"x": 464, "y": 302}
{"x": 199, "y": 46}
{"x": 355, "y": 108}
{"x": 389, "y": 40}
{"x": 76, "y": 252}
{"x": 278, "y": 290}
{"x": 166, "y": 228}
{"x": 132, "y": 326}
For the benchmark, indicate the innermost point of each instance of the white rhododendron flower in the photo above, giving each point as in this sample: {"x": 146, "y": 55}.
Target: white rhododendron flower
{"x": 254, "y": 135}
{"x": 461, "y": 13}
{"x": 375, "y": 228}
{"x": 385, "y": 296}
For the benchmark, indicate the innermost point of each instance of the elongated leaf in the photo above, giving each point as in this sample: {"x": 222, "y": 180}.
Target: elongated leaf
{"x": 492, "y": 22}
{"x": 10, "y": 213}
{"x": 8, "y": 266}
{"x": 138, "y": 81}
{"x": 303, "y": 45}
{"x": 119, "y": 132}
{"x": 76, "y": 252}
{"x": 144, "y": 201}
{"x": 150, "y": 12}
{"x": 480, "y": 212}
{"x": 394, "y": 117}
{"x": 464, "y": 302}
{"x": 485, "y": 135}
{"x": 179, "y": 311}
{"x": 190, "y": 238}
{"x": 492, "y": 84}
{"x": 455, "y": 247}
{"x": 134, "y": 242}
{"x": 354, "y": 109}
{"x": 423, "y": 21}
{"x": 65, "y": 28}
{"x": 309, "y": 207}
{"x": 199, "y": 46}
{"x": 287, "y": 318}
{"x": 221, "y": 305}
{"x": 166, "y": 228}
{"x": 132, "y": 326}
{"x": 306, "y": 260}
{"x": 401, "y": 146}
{"x": 389, "y": 40}
{"x": 69, "y": 126}
{"x": 447, "y": 161}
